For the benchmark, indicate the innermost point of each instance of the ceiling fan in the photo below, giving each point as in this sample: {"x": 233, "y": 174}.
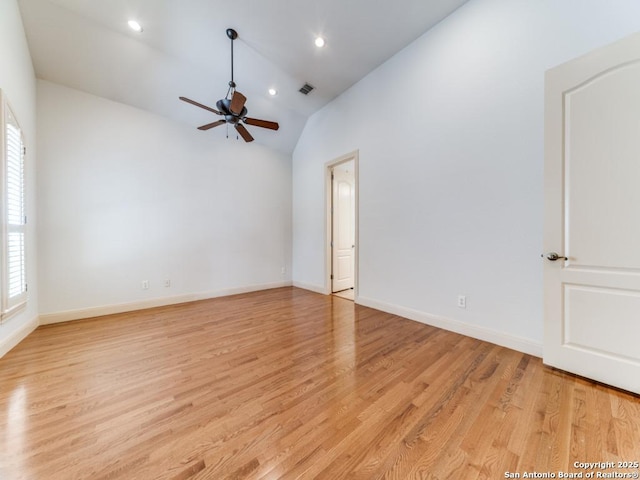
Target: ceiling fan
{"x": 232, "y": 106}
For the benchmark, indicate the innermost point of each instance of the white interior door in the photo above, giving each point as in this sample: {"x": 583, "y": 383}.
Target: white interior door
{"x": 343, "y": 226}
{"x": 592, "y": 215}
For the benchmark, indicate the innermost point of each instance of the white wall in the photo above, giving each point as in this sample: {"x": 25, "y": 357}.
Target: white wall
{"x": 127, "y": 196}
{"x": 18, "y": 82}
{"x": 450, "y": 135}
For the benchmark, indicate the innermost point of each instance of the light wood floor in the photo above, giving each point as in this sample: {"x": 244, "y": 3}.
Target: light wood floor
{"x": 287, "y": 384}
{"x": 348, "y": 294}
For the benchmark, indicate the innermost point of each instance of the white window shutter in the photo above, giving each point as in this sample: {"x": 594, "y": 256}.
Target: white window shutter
{"x": 14, "y": 281}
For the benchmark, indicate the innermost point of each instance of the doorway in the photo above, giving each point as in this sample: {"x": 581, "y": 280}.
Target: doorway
{"x": 342, "y": 229}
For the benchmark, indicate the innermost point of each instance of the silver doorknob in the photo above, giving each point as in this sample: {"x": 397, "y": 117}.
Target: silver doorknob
{"x": 553, "y": 256}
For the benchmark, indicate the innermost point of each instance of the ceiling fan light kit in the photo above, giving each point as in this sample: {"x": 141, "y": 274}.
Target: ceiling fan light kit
{"x": 232, "y": 106}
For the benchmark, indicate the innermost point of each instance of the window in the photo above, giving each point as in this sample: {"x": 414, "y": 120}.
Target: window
{"x": 14, "y": 220}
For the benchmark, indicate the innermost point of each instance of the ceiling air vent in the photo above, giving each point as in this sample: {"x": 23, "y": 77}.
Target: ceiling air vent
{"x": 306, "y": 88}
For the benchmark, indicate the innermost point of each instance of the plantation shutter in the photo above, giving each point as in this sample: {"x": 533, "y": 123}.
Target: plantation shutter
{"x": 14, "y": 282}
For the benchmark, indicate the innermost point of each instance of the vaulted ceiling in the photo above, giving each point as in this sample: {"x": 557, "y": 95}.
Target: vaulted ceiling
{"x": 184, "y": 51}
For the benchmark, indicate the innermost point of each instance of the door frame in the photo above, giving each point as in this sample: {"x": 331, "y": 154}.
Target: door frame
{"x": 329, "y": 217}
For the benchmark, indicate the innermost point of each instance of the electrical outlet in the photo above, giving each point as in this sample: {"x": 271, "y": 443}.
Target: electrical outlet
{"x": 167, "y": 282}
{"x": 145, "y": 284}
{"x": 462, "y": 301}
{"x": 283, "y": 270}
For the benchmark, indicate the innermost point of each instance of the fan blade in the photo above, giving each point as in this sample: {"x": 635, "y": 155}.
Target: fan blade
{"x": 237, "y": 102}
{"x": 244, "y": 133}
{"x": 193, "y": 102}
{"x": 261, "y": 123}
{"x": 211, "y": 125}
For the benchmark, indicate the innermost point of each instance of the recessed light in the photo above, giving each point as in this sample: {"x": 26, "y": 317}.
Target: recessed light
{"x": 273, "y": 92}
{"x": 319, "y": 42}
{"x": 135, "y": 26}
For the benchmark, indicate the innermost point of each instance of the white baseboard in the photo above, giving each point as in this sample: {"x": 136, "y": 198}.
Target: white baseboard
{"x": 314, "y": 288}
{"x": 16, "y": 337}
{"x": 481, "y": 333}
{"x": 68, "y": 315}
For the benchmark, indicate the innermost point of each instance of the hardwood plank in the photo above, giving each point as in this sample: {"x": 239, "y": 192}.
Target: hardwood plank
{"x": 289, "y": 384}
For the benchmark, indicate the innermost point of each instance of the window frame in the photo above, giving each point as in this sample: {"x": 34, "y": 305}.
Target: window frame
{"x": 9, "y": 305}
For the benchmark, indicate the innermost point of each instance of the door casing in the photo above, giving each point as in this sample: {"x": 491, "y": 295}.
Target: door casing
{"x": 352, "y": 156}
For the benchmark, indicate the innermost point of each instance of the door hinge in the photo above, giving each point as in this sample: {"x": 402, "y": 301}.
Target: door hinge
{"x": 331, "y": 276}
{"x": 24, "y": 151}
